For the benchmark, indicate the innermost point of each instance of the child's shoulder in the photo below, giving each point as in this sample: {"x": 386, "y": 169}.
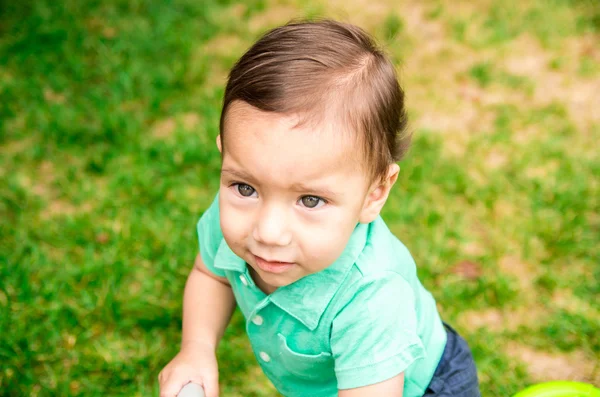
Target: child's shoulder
{"x": 384, "y": 273}
{"x": 384, "y": 253}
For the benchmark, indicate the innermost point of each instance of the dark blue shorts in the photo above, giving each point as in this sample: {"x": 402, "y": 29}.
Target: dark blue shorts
{"x": 456, "y": 375}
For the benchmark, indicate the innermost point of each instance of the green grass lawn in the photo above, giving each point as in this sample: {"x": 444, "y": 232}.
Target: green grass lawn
{"x": 108, "y": 115}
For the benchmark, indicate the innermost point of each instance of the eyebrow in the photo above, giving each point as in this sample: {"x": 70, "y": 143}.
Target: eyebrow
{"x": 299, "y": 187}
{"x": 238, "y": 174}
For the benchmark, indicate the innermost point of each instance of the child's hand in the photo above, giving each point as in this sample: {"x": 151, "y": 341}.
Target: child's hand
{"x": 196, "y": 362}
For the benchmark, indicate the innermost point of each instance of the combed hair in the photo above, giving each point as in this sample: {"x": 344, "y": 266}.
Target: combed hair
{"x": 326, "y": 70}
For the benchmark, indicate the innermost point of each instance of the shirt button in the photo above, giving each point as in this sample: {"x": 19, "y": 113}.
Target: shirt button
{"x": 258, "y": 320}
{"x": 243, "y": 279}
{"x": 264, "y": 356}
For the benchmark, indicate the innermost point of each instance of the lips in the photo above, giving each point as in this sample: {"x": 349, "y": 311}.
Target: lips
{"x": 272, "y": 266}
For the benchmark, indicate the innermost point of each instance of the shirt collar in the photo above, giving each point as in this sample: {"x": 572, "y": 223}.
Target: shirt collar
{"x": 225, "y": 259}
{"x": 307, "y": 298}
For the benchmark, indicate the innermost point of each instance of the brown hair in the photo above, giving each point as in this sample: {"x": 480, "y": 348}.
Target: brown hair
{"x": 326, "y": 68}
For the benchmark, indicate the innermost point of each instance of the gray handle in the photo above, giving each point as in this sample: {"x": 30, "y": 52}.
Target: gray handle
{"x": 191, "y": 390}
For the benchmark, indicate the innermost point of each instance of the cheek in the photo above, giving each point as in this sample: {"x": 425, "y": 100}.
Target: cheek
{"x": 234, "y": 225}
{"x": 323, "y": 252}
{"x": 324, "y": 241}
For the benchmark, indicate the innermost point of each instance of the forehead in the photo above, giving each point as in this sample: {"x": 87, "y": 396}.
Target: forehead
{"x": 287, "y": 145}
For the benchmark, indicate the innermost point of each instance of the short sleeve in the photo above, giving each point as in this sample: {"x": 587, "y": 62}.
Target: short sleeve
{"x": 210, "y": 236}
{"x": 374, "y": 337}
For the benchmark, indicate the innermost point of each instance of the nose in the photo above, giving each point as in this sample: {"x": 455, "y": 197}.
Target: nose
{"x": 272, "y": 227}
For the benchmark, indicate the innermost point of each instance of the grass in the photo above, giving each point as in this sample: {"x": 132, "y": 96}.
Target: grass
{"x": 108, "y": 114}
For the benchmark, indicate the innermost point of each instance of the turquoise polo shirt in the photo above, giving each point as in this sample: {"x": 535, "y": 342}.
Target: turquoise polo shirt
{"x": 364, "y": 319}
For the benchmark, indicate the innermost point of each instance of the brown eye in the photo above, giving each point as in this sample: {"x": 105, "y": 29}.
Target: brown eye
{"x": 245, "y": 190}
{"x": 310, "y": 201}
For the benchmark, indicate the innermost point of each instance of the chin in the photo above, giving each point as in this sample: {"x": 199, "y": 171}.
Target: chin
{"x": 276, "y": 280}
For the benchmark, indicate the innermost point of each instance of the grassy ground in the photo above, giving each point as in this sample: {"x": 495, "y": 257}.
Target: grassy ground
{"x": 108, "y": 114}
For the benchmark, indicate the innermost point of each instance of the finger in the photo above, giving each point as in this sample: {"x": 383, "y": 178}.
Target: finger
{"x": 211, "y": 386}
{"x": 171, "y": 387}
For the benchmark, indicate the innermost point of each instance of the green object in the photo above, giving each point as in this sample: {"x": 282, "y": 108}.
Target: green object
{"x": 560, "y": 389}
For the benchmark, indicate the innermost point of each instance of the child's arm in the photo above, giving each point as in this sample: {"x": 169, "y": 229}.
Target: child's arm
{"x": 208, "y": 304}
{"x": 392, "y": 387}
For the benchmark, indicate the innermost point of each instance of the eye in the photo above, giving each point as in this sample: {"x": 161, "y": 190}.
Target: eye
{"x": 311, "y": 201}
{"x": 245, "y": 190}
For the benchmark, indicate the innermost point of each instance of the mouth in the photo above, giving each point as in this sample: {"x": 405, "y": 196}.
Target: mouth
{"x": 272, "y": 266}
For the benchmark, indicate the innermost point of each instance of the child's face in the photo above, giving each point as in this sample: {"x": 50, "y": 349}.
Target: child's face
{"x": 290, "y": 197}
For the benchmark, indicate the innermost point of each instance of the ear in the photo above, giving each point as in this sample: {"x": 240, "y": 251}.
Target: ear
{"x": 219, "y": 144}
{"x": 378, "y": 194}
